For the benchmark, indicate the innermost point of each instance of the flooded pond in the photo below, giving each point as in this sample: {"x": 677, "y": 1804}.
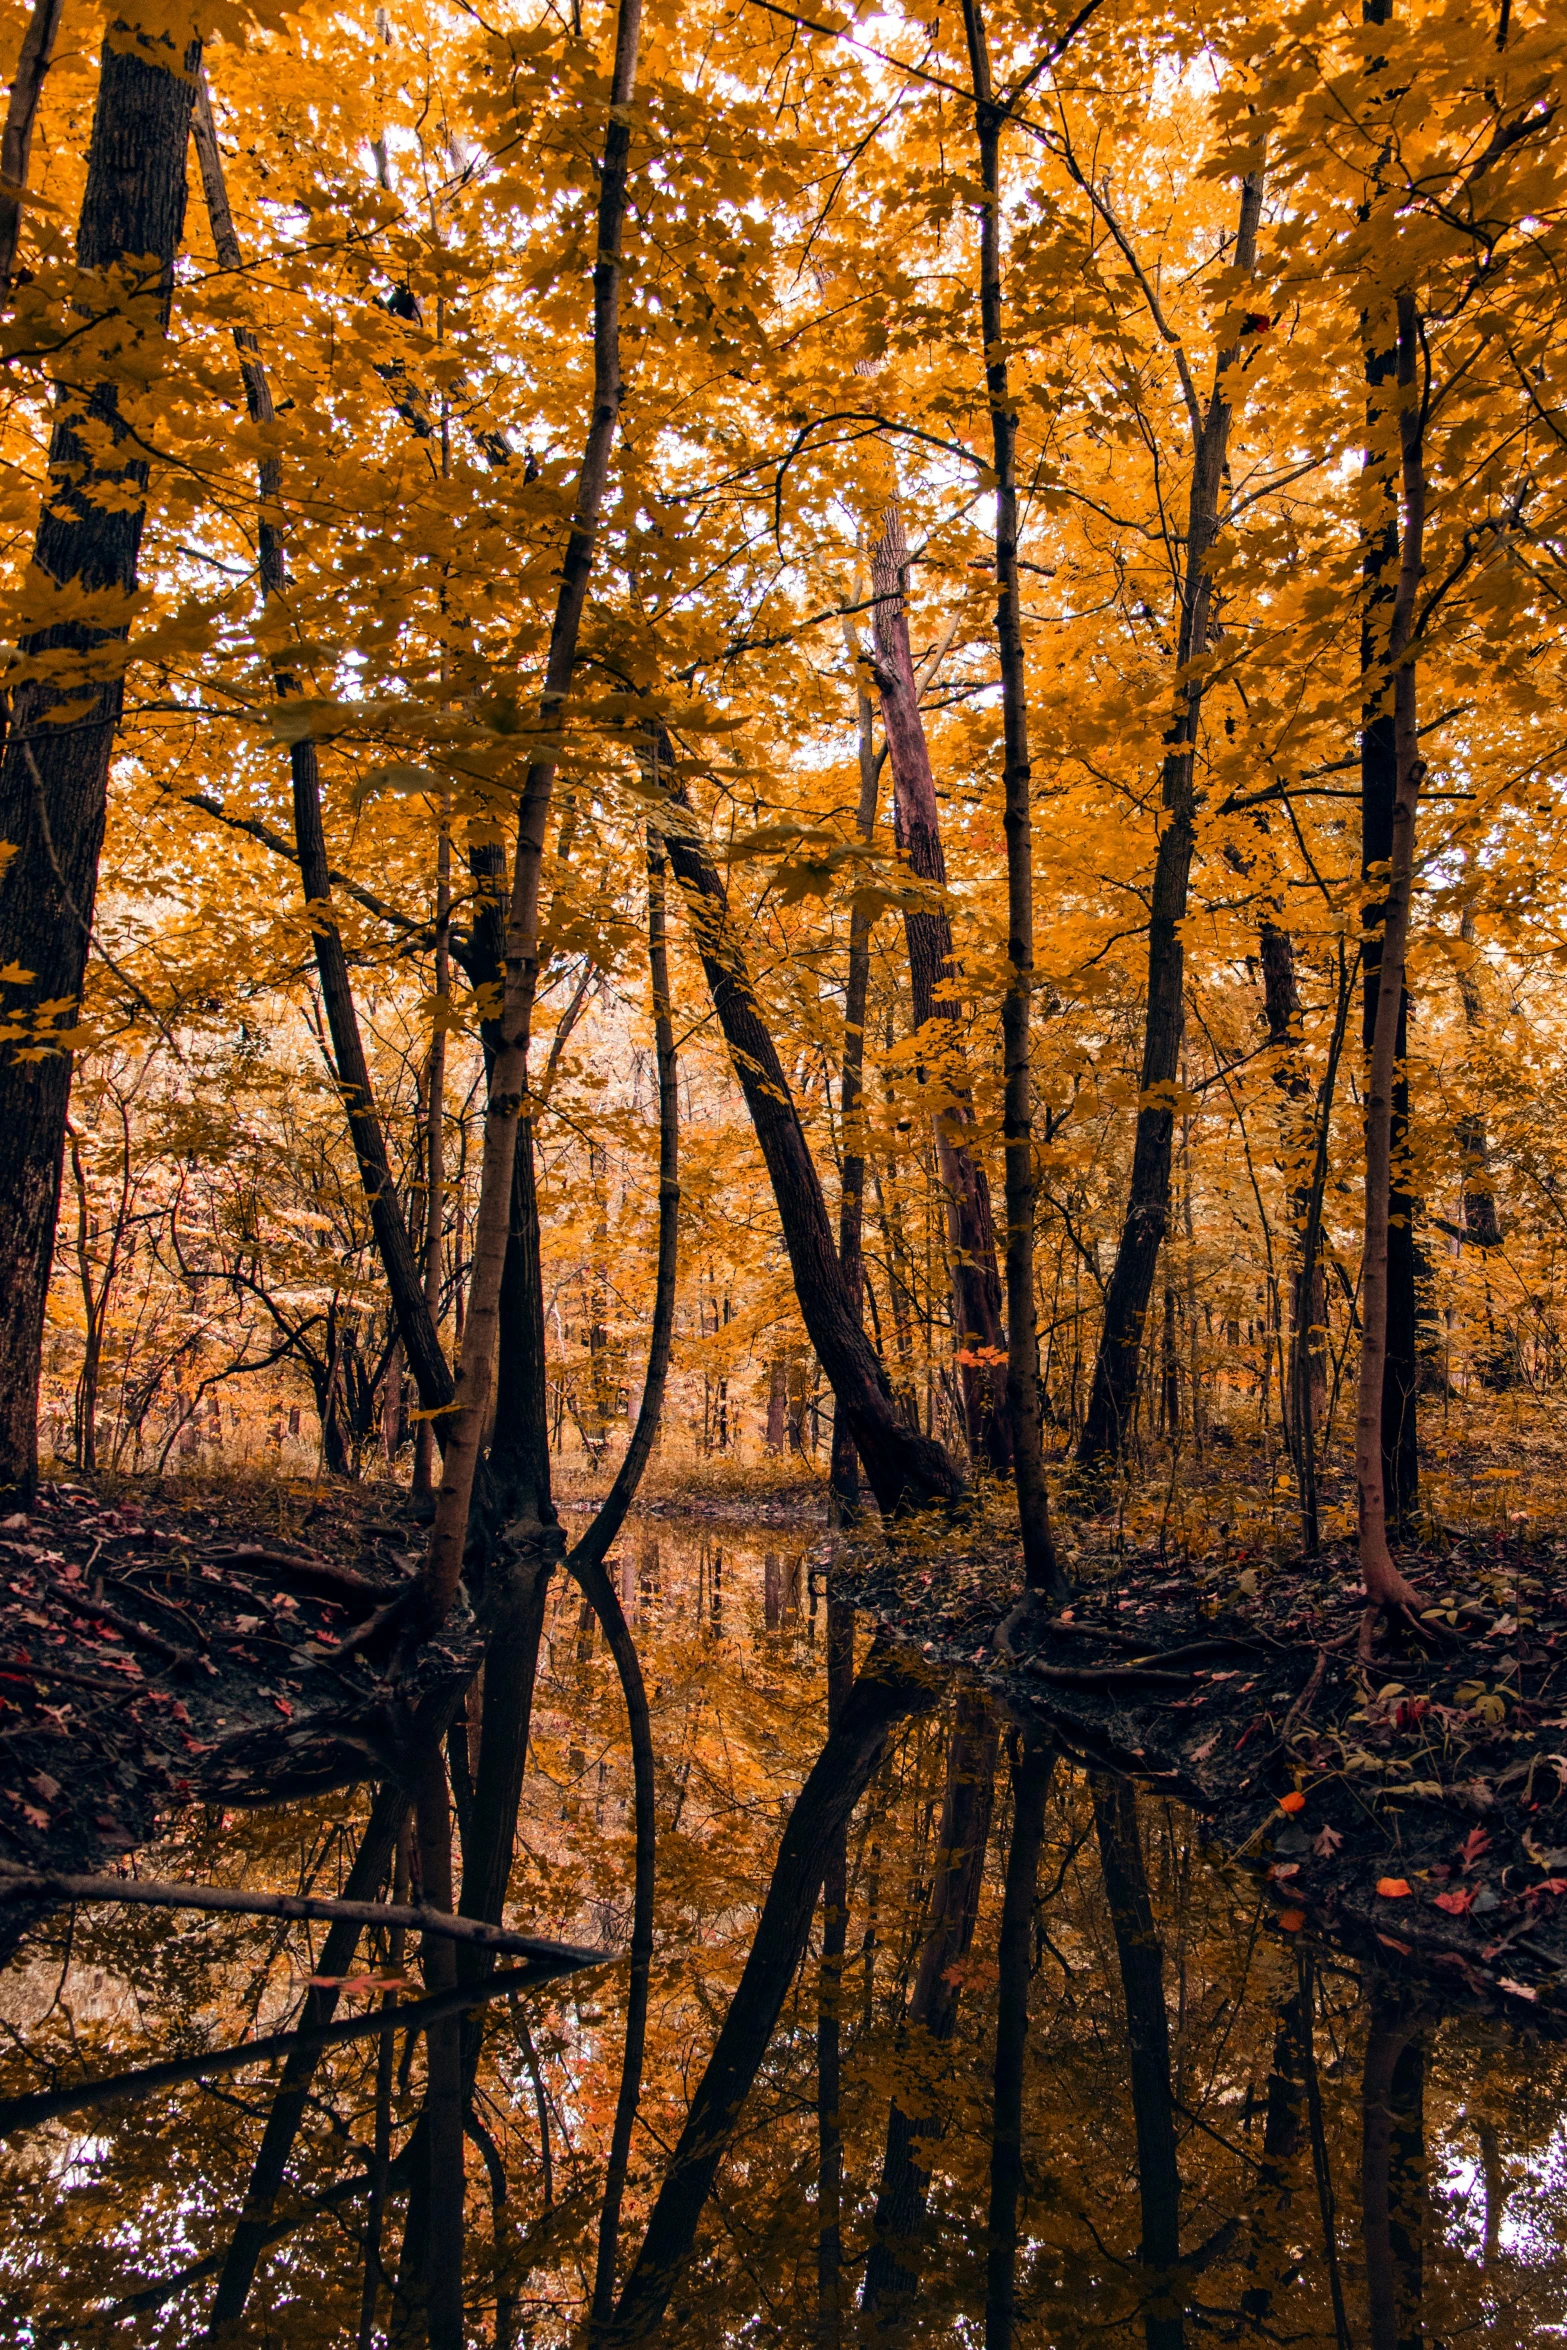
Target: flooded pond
{"x": 1047, "y": 2070}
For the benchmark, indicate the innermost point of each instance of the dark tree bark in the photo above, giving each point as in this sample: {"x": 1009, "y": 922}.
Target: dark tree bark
{"x": 1032, "y": 1766}
{"x": 54, "y": 778}
{"x": 844, "y": 1472}
{"x": 889, "y": 1686}
{"x": 1307, "y": 1381}
{"x": 933, "y": 975}
{"x": 16, "y": 143}
{"x": 905, "y": 1470}
{"x": 1114, "y": 1390}
{"x": 892, "y": 2270}
{"x": 1148, "y": 2050}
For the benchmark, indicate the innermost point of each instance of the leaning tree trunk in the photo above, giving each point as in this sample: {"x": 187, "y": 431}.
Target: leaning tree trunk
{"x": 404, "y": 1275}
{"x": 1114, "y": 1390}
{"x": 54, "y": 778}
{"x": 905, "y": 1470}
{"x": 16, "y": 142}
{"x": 938, "y": 1014}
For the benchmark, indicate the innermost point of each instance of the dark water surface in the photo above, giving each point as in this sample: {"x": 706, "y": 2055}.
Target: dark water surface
{"x": 1208, "y": 2131}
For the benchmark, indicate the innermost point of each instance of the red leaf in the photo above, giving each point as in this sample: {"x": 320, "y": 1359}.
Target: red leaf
{"x": 1455, "y": 1904}
{"x": 1476, "y": 1842}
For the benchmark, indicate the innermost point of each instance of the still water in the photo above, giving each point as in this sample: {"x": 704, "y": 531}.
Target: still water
{"x": 1047, "y": 2072}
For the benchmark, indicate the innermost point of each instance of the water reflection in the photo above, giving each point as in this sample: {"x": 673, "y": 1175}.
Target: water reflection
{"x": 950, "y": 2042}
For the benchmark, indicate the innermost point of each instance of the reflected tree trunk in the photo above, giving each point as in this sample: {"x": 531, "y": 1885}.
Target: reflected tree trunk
{"x": 892, "y": 2272}
{"x": 1393, "y": 2174}
{"x": 1282, "y": 2138}
{"x": 1141, "y": 1960}
{"x": 1033, "y": 1763}
{"x": 829, "y": 2017}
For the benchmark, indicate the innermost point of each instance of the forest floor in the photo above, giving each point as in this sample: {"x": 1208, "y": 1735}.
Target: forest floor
{"x": 163, "y": 1647}
{"x": 1413, "y": 1811}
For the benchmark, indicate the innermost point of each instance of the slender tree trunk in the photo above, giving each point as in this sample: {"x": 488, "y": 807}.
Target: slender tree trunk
{"x": 1385, "y": 1586}
{"x": 508, "y": 1084}
{"x": 1107, "y": 1423}
{"x": 1042, "y": 1572}
{"x": 892, "y": 2271}
{"x": 16, "y": 142}
{"x": 1148, "y": 2050}
{"x": 905, "y": 1470}
{"x": 889, "y": 1686}
{"x": 1311, "y": 1255}
{"x": 415, "y": 1322}
{"x": 1032, "y": 1766}
{"x": 844, "y": 1473}
{"x": 938, "y": 1015}
{"x": 54, "y": 778}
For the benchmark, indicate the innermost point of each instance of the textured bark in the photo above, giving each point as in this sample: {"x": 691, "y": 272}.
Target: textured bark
{"x": 16, "y": 142}
{"x": 1114, "y": 1390}
{"x": 905, "y": 1470}
{"x": 1032, "y": 1767}
{"x": 1148, "y": 2050}
{"x": 889, "y": 1686}
{"x": 892, "y": 2270}
{"x": 933, "y": 975}
{"x": 54, "y": 778}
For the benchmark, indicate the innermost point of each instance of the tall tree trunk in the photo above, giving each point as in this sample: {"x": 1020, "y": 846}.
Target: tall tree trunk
{"x": 905, "y": 1470}
{"x": 1148, "y": 2051}
{"x": 844, "y": 1472}
{"x": 16, "y": 142}
{"x": 1308, "y": 1306}
{"x": 1108, "y": 1421}
{"x": 892, "y": 2271}
{"x": 971, "y": 1231}
{"x": 54, "y": 778}
{"x": 1385, "y": 1586}
{"x": 1379, "y": 785}
{"x": 889, "y": 1686}
{"x": 435, "y": 1134}
{"x": 415, "y": 1322}
{"x": 1033, "y": 1763}
{"x": 1042, "y": 1571}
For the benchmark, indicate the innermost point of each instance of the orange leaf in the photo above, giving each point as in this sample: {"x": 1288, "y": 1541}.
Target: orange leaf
{"x": 1393, "y": 1888}
{"x": 1292, "y": 1802}
{"x": 1292, "y": 1920}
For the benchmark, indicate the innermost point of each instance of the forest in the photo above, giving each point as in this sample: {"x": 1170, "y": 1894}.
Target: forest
{"x": 783, "y": 1310}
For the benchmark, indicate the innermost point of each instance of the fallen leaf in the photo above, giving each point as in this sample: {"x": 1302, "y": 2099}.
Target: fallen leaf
{"x": 1393, "y": 1888}
{"x": 1291, "y": 1920}
{"x": 1326, "y": 1842}
{"x": 1518, "y": 1990}
{"x": 1476, "y": 1842}
{"x": 1292, "y": 1802}
{"x": 1456, "y": 1904}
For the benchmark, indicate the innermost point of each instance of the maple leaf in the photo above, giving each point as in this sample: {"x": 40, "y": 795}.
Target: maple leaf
{"x": 1326, "y": 1842}
{"x": 1474, "y": 1844}
{"x": 1457, "y": 1903}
